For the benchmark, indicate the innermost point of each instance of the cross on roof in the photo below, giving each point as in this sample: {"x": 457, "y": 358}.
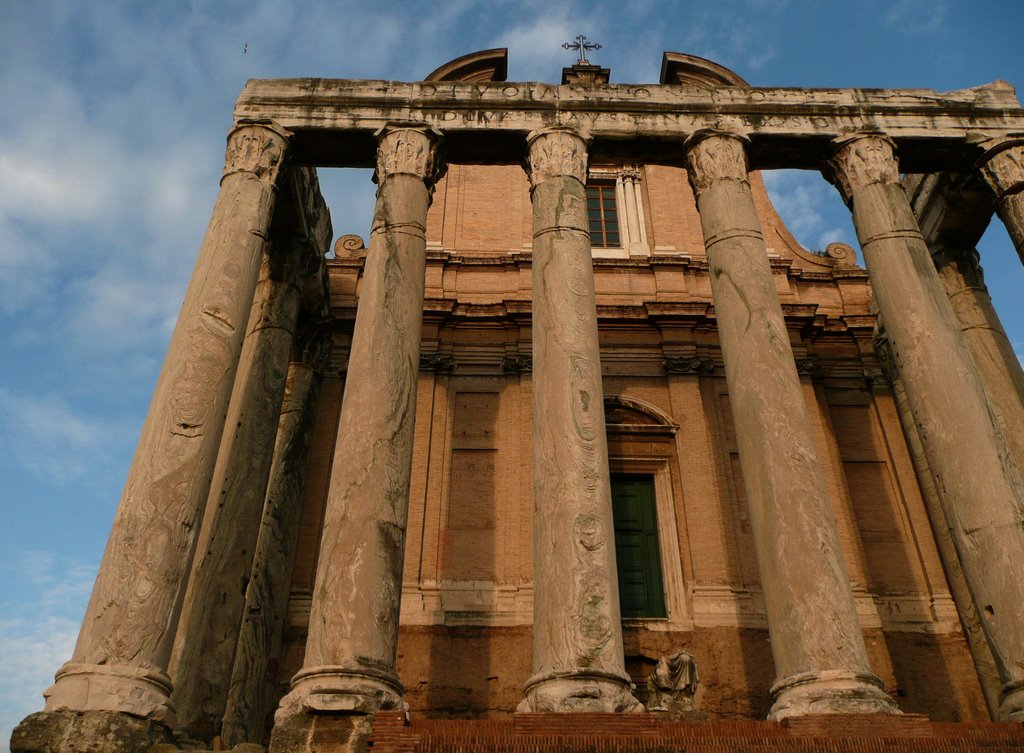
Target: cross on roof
{"x": 581, "y": 45}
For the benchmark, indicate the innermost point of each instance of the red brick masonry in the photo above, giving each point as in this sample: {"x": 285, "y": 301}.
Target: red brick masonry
{"x": 596, "y": 733}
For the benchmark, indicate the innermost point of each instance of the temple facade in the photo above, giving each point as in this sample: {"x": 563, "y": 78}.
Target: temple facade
{"x": 581, "y": 440}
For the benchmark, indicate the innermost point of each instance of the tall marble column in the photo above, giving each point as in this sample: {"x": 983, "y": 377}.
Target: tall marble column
{"x": 1002, "y": 167}
{"x": 820, "y": 657}
{"x": 118, "y": 672}
{"x": 981, "y": 489}
{"x": 266, "y": 598}
{"x": 353, "y": 626}
{"x": 577, "y": 632}
{"x": 204, "y": 649}
{"x": 993, "y": 354}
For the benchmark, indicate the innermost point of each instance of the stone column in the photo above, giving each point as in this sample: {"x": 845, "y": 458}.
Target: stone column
{"x": 353, "y": 625}
{"x": 981, "y": 490}
{"x": 577, "y": 632}
{"x": 993, "y": 354}
{"x": 820, "y": 657}
{"x": 204, "y": 649}
{"x": 1002, "y": 167}
{"x": 266, "y": 598}
{"x": 118, "y": 672}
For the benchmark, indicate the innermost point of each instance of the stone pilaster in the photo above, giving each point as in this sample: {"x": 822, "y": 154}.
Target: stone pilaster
{"x": 981, "y": 489}
{"x": 266, "y": 598}
{"x": 1002, "y": 167}
{"x": 204, "y": 649}
{"x": 353, "y": 628}
{"x": 118, "y": 670}
{"x": 577, "y": 635}
{"x": 820, "y": 657}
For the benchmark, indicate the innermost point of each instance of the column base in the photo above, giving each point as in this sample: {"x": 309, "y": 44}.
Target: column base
{"x": 579, "y": 691}
{"x": 69, "y": 731}
{"x": 1011, "y": 702}
{"x": 833, "y": 691}
{"x": 341, "y": 690}
{"x": 119, "y": 688}
{"x": 302, "y": 732}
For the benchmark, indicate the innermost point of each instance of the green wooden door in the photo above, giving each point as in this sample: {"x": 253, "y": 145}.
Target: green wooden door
{"x": 641, "y": 592}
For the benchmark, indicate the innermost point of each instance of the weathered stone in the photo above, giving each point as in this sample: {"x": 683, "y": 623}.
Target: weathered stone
{"x": 266, "y": 598}
{"x": 212, "y": 612}
{"x": 88, "y": 732}
{"x": 577, "y": 640}
{"x": 979, "y": 482}
{"x": 125, "y": 642}
{"x": 820, "y": 657}
{"x": 351, "y": 646}
{"x": 1002, "y": 167}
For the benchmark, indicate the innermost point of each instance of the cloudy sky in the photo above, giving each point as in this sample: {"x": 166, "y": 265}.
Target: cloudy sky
{"x": 112, "y": 123}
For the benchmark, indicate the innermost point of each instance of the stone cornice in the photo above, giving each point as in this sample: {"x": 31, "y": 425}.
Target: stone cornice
{"x": 334, "y": 119}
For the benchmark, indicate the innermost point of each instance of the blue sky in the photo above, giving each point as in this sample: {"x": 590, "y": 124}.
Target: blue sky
{"x": 111, "y": 143}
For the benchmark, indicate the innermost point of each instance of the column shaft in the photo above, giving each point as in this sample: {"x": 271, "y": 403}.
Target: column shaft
{"x": 122, "y": 654}
{"x": 820, "y": 657}
{"x": 577, "y": 634}
{"x": 983, "y": 333}
{"x": 980, "y": 485}
{"x": 212, "y": 612}
{"x": 266, "y": 598}
{"x": 353, "y": 628}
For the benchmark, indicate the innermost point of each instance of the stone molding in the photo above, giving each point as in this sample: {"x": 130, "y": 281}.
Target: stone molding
{"x": 409, "y": 150}
{"x": 688, "y": 365}
{"x": 861, "y": 160}
{"x": 256, "y": 146}
{"x": 555, "y": 152}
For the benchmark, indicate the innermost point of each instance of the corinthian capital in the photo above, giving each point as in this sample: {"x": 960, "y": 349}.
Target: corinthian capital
{"x": 409, "y": 150}
{"x": 1002, "y": 167}
{"x": 257, "y": 147}
{"x": 861, "y": 160}
{"x": 552, "y": 152}
{"x": 713, "y": 156}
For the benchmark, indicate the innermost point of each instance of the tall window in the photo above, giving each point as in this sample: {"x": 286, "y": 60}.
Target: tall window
{"x": 601, "y": 211}
{"x": 637, "y": 556}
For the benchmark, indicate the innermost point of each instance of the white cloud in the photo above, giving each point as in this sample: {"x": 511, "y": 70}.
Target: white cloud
{"x": 46, "y": 436}
{"x": 38, "y": 632}
{"x": 810, "y": 207}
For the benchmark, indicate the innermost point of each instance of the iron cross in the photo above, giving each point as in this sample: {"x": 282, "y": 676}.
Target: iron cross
{"x": 581, "y": 45}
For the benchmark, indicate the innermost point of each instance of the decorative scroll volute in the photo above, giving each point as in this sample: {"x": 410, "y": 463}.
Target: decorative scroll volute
{"x": 409, "y": 150}
{"x": 714, "y": 156}
{"x": 553, "y": 152}
{"x": 861, "y": 160}
{"x": 257, "y": 147}
{"x": 1002, "y": 167}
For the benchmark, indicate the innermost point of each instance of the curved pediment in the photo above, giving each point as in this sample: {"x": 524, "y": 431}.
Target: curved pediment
{"x": 691, "y": 70}
{"x": 627, "y": 411}
{"x": 484, "y": 65}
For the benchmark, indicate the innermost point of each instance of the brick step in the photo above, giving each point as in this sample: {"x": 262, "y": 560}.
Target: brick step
{"x": 647, "y": 733}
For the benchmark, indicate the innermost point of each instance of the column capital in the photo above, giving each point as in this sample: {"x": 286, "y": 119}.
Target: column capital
{"x": 1002, "y": 166}
{"x": 714, "y": 155}
{"x": 861, "y": 159}
{"x": 256, "y": 146}
{"x": 409, "y": 149}
{"x": 554, "y": 152}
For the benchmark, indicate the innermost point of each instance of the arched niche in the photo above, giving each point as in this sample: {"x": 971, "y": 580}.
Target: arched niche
{"x": 484, "y": 65}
